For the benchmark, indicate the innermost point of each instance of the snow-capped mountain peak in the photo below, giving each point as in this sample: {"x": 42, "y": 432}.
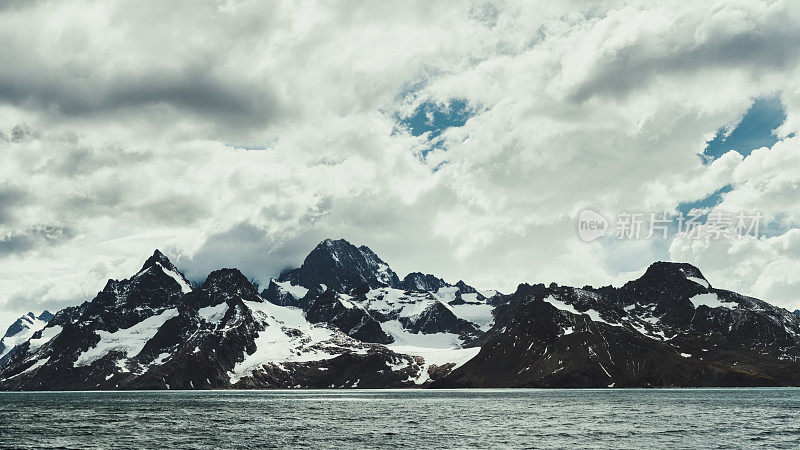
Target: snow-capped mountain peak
{"x": 341, "y": 266}
{"x": 22, "y": 330}
{"x": 418, "y": 281}
{"x": 224, "y": 284}
{"x": 158, "y": 258}
{"x": 159, "y": 262}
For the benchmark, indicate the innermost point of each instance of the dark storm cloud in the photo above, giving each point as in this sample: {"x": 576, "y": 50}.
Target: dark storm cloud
{"x": 7, "y": 5}
{"x": 169, "y": 210}
{"x": 175, "y": 210}
{"x": 251, "y": 250}
{"x": 34, "y": 237}
{"x": 23, "y": 133}
{"x": 195, "y": 89}
{"x": 99, "y": 201}
{"x": 32, "y": 302}
{"x": 10, "y": 198}
{"x": 634, "y": 66}
{"x": 74, "y": 159}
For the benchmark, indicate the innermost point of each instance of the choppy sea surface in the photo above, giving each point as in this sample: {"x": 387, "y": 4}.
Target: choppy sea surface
{"x": 343, "y": 419}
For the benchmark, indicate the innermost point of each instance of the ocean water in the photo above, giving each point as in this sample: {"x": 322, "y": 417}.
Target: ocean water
{"x": 480, "y": 418}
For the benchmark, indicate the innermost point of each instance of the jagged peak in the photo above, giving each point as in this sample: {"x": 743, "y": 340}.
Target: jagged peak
{"x": 26, "y": 321}
{"x": 340, "y": 265}
{"x": 412, "y": 275}
{"x": 663, "y": 270}
{"x": 31, "y": 316}
{"x": 343, "y": 246}
{"x": 670, "y": 266}
{"x": 423, "y": 281}
{"x": 367, "y": 251}
{"x": 429, "y": 282}
{"x": 525, "y": 289}
{"x": 227, "y": 274}
{"x": 227, "y": 279}
{"x": 157, "y": 258}
{"x": 333, "y": 248}
{"x": 465, "y": 288}
{"x": 335, "y": 243}
{"x": 160, "y": 261}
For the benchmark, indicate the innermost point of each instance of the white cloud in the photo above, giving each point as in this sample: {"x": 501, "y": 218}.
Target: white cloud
{"x": 764, "y": 268}
{"x": 133, "y": 123}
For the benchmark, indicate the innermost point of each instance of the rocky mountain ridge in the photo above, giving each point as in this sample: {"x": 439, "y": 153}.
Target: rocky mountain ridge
{"x": 344, "y": 319}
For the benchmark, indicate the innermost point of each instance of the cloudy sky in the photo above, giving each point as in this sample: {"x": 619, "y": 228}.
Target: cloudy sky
{"x": 458, "y": 138}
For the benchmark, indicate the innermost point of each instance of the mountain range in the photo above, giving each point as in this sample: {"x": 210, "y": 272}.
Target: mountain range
{"x": 344, "y": 319}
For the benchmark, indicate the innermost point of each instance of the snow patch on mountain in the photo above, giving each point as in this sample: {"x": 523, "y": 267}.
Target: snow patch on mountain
{"x": 397, "y": 301}
{"x": 435, "y": 349}
{"x": 185, "y": 286}
{"x": 47, "y": 335}
{"x": 130, "y": 341}
{"x": 403, "y": 337}
{"x": 39, "y": 363}
{"x": 297, "y": 292}
{"x": 401, "y": 304}
{"x": 480, "y": 314}
{"x": 699, "y": 281}
{"x": 561, "y": 305}
{"x": 289, "y": 337}
{"x": 711, "y": 300}
{"x": 437, "y": 357}
{"x": 593, "y": 314}
{"x": 344, "y": 299}
{"x": 160, "y": 359}
{"x": 213, "y": 314}
{"x": 382, "y": 273}
{"x": 447, "y": 294}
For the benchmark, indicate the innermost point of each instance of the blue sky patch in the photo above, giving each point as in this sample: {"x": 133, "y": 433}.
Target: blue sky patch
{"x": 431, "y": 119}
{"x": 754, "y": 131}
{"x": 707, "y": 202}
{"x": 434, "y": 118}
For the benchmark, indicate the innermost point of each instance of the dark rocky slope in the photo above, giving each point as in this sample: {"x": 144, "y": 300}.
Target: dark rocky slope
{"x": 668, "y": 328}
